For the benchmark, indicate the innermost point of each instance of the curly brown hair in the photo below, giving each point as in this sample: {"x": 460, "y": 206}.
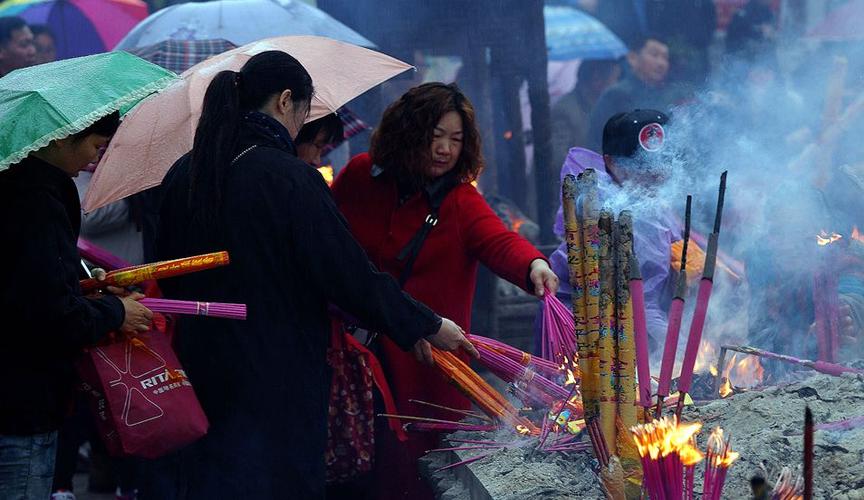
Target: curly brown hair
{"x": 401, "y": 143}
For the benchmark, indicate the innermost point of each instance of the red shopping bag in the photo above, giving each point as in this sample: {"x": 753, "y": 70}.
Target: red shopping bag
{"x": 143, "y": 402}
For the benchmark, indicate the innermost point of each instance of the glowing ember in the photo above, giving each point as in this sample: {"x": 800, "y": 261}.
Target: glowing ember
{"x": 521, "y": 429}
{"x": 713, "y": 370}
{"x": 726, "y": 388}
{"x": 823, "y": 238}
{"x": 856, "y": 235}
{"x": 326, "y": 172}
{"x": 571, "y": 379}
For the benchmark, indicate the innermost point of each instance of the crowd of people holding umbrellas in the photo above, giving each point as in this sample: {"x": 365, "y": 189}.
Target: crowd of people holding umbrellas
{"x": 198, "y": 134}
{"x": 234, "y": 176}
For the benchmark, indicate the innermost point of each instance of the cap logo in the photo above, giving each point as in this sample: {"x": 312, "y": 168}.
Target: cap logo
{"x": 651, "y": 137}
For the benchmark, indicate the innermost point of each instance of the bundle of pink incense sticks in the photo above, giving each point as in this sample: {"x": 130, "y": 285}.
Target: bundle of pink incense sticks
{"x": 558, "y": 341}
{"x": 538, "y": 364}
{"x": 513, "y": 371}
{"x": 194, "y": 308}
{"x": 100, "y": 256}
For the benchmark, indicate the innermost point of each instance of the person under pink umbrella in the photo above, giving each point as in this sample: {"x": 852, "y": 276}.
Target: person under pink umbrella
{"x": 264, "y": 382}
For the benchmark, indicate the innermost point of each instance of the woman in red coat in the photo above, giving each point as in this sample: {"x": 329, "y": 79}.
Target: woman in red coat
{"x": 428, "y": 144}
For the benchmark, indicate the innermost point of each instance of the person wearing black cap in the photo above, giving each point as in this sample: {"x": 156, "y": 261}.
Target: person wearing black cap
{"x": 632, "y": 143}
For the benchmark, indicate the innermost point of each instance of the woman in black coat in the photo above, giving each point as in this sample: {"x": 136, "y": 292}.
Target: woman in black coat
{"x": 264, "y": 382}
{"x": 46, "y": 319}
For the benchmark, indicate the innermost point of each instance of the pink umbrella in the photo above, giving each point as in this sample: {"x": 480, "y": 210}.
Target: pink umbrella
{"x": 160, "y": 130}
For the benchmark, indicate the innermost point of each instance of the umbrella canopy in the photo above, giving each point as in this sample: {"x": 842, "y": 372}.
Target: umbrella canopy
{"x": 55, "y": 100}
{"x": 239, "y": 21}
{"x": 80, "y": 27}
{"x": 841, "y": 24}
{"x": 572, "y": 34}
{"x": 180, "y": 55}
{"x": 159, "y": 131}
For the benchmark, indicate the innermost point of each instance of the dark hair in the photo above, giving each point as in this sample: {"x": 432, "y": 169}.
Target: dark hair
{"x": 105, "y": 126}
{"x": 401, "y": 142}
{"x": 638, "y": 42}
{"x": 8, "y": 25}
{"x": 228, "y": 97}
{"x": 331, "y": 125}
{"x": 591, "y": 69}
{"x": 41, "y": 29}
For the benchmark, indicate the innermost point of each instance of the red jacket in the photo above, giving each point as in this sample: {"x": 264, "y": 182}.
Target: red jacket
{"x": 443, "y": 277}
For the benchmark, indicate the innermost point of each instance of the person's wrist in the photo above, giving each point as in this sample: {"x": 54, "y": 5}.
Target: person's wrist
{"x": 435, "y": 329}
{"x": 538, "y": 263}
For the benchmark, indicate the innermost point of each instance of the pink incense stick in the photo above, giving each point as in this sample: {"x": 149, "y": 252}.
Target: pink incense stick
{"x": 442, "y": 427}
{"x": 676, "y": 311}
{"x": 640, "y": 331}
{"x": 697, "y": 325}
{"x": 539, "y": 364}
{"x": 193, "y": 308}
{"x": 694, "y": 338}
{"x": 99, "y": 256}
{"x": 465, "y": 462}
{"x": 842, "y": 425}
{"x": 558, "y": 331}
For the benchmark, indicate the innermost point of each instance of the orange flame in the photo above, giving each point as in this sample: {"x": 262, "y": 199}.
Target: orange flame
{"x": 856, "y": 235}
{"x": 747, "y": 372}
{"x": 690, "y": 455}
{"x": 823, "y": 238}
{"x": 521, "y": 429}
{"x": 666, "y": 436}
{"x": 726, "y": 388}
{"x": 718, "y": 449}
{"x": 707, "y": 354}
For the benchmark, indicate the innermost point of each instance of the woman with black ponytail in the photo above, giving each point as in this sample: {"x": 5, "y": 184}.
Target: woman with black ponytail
{"x": 264, "y": 382}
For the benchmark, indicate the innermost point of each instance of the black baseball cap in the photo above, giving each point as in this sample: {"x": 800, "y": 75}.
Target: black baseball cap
{"x": 627, "y": 133}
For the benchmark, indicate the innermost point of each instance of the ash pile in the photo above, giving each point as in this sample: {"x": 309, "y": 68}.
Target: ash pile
{"x": 766, "y": 426}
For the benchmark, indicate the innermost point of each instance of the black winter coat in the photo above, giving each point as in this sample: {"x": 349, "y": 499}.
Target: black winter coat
{"x": 45, "y": 319}
{"x": 264, "y": 382}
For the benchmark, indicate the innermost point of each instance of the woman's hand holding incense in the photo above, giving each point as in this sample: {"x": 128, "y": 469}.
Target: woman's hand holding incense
{"x": 138, "y": 317}
{"x": 423, "y": 352}
{"x": 542, "y": 277}
{"x": 99, "y": 274}
{"x": 450, "y": 337}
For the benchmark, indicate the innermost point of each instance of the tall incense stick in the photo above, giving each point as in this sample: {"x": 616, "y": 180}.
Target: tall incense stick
{"x": 676, "y": 311}
{"x": 697, "y": 325}
{"x": 808, "y": 454}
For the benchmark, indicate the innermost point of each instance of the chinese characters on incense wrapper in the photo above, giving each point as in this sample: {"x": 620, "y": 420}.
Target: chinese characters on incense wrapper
{"x": 157, "y": 270}
{"x": 598, "y": 252}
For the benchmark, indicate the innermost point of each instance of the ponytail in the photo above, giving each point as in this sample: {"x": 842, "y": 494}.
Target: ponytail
{"x": 215, "y": 141}
{"x": 229, "y": 96}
